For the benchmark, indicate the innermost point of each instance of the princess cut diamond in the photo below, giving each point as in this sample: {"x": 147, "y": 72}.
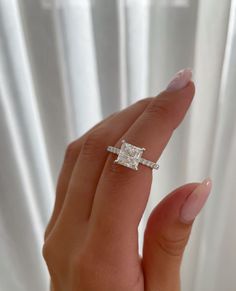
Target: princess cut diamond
{"x": 129, "y": 155}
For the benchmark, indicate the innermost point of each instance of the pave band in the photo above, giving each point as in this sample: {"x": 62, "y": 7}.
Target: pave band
{"x": 130, "y": 156}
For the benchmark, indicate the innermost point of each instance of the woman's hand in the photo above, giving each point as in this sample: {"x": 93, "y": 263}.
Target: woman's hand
{"x": 91, "y": 241}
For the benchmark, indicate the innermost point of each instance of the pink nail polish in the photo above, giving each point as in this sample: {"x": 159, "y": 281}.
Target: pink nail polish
{"x": 180, "y": 80}
{"x": 195, "y": 202}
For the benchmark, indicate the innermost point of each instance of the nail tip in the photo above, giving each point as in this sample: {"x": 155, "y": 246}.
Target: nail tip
{"x": 207, "y": 182}
{"x": 180, "y": 80}
{"x": 196, "y": 200}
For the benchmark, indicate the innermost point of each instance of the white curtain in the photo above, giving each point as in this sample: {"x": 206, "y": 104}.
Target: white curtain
{"x": 64, "y": 65}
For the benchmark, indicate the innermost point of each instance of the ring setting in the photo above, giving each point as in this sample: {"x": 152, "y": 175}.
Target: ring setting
{"x": 131, "y": 156}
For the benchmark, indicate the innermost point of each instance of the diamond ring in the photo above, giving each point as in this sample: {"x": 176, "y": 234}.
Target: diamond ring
{"x": 131, "y": 156}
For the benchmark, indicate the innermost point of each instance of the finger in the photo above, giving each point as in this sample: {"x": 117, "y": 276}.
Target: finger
{"x": 167, "y": 233}
{"x": 121, "y": 189}
{"x": 91, "y": 161}
{"x": 70, "y": 158}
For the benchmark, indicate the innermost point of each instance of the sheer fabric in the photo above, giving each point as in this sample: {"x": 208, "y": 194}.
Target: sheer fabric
{"x": 64, "y": 65}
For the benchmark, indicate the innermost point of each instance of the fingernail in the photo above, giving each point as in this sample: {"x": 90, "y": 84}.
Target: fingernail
{"x": 195, "y": 202}
{"x": 180, "y": 80}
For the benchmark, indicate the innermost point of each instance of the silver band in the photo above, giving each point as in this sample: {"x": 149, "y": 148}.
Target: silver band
{"x": 141, "y": 160}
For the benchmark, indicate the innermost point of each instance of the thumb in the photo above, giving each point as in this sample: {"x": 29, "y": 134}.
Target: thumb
{"x": 167, "y": 232}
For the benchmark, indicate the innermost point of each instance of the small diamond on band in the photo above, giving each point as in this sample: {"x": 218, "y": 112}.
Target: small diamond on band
{"x": 131, "y": 156}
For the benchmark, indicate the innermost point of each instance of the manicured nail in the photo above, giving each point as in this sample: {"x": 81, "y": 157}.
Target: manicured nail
{"x": 180, "y": 80}
{"x": 195, "y": 201}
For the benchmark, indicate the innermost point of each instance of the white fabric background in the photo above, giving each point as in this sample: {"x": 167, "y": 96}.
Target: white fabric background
{"x": 64, "y": 65}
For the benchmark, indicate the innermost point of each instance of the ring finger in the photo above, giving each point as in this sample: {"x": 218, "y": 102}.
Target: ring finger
{"x": 122, "y": 193}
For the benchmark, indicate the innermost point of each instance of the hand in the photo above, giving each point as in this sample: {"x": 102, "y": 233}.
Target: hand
{"x": 91, "y": 241}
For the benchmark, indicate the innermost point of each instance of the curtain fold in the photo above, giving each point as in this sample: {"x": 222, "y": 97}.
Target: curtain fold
{"x": 65, "y": 65}
{"x": 25, "y": 171}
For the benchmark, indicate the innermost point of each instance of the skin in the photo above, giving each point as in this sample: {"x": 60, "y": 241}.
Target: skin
{"x": 91, "y": 241}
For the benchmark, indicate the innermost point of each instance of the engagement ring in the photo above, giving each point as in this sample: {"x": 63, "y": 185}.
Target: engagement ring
{"x": 131, "y": 156}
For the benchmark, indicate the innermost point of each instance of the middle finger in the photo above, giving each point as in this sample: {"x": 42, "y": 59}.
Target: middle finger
{"x": 93, "y": 155}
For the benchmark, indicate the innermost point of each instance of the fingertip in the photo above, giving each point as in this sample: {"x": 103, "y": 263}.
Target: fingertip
{"x": 180, "y": 80}
{"x": 195, "y": 201}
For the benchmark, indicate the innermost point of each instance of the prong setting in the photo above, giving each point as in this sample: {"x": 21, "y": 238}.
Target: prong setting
{"x": 131, "y": 156}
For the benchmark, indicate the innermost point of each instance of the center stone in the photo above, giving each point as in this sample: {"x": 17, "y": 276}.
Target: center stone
{"x": 129, "y": 155}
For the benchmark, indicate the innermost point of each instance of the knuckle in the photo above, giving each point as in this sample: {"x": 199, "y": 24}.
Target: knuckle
{"x": 46, "y": 252}
{"x": 95, "y": 142}
{"x": 159, "y": 107}
{"x": 49, "y": 250}
{"x": 54, "y": 259}
{"x": 55, "y": 253}
{"x": 144, "y": 102}
{"x": 72, "y": 150}
{"x": 160, "y": 110}
{"x": 172, "y": 247}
